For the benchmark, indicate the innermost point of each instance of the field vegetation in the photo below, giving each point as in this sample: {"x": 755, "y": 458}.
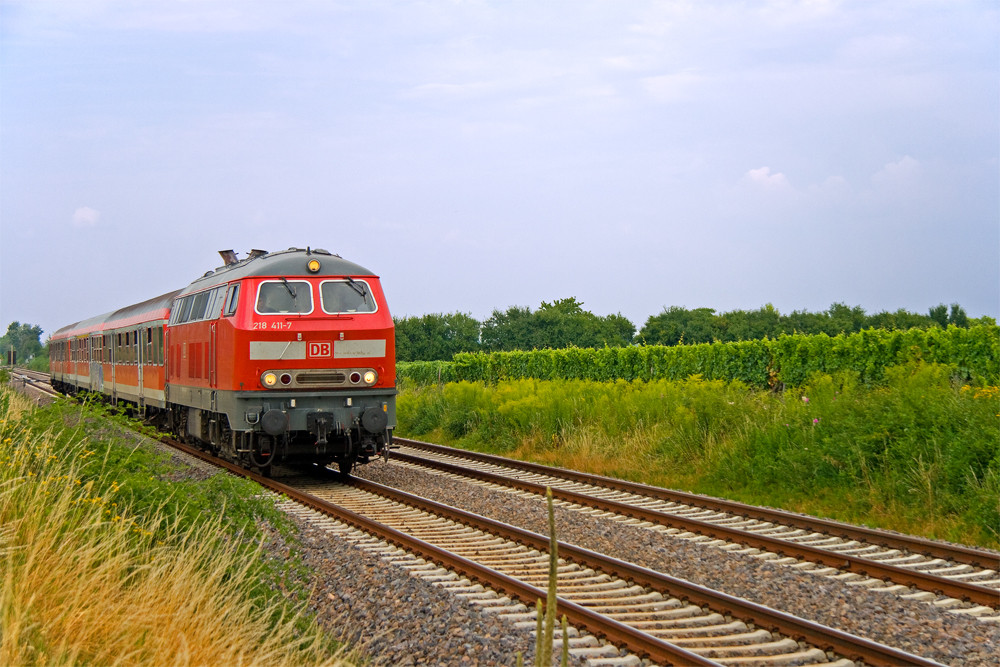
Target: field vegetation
{"x": 915, "y": 450}
{"x": 107, "y": 557}
{"x": 565, "y": 323}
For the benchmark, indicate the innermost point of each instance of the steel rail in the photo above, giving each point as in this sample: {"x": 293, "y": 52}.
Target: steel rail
{"x": 641, "y": 643}
{"x": 957, "y": 553}
{"x": 616, "y": 632}
{"x": 25, "y": 376}
{"x": 824, "y": 637}
{"x": 900, "y": 575}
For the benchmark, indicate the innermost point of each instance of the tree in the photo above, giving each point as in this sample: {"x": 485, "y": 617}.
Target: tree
{"x": 958, "y": 316}
{"x": 939, "y": 314}
{"x": 677, "y": 324}
{"x": 844, "y": 319}
{"x": 24, "y": 338}
{"x": 435, "y": 337}
{"x": 562, "y": 323}
{"x": 508, "y": 330}
{"x": 765, "y": 322}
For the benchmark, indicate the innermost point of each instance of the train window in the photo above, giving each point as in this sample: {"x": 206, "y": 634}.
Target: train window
{"x": 216, "y": 302}
{"x": 284, "y": 296}
{"x": 179, "y": 313}
{"x": 347, "y": 296}
{"x": 158, "y": 345}
{"x": 232, "y": 300}
{"x": 198, "y": 307}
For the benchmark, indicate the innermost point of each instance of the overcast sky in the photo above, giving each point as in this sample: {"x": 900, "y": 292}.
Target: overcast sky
{"x": 480, "y": 154}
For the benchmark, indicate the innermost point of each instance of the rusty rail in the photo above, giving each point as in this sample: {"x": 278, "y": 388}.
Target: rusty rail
{"x": 957, "y": 553}
{"x": 929, "y": 582}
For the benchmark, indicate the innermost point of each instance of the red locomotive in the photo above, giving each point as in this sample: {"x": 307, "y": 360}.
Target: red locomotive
{"x": 284, "y": 356}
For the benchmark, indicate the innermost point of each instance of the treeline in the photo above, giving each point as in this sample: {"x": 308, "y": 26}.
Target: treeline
{"x": 25, "y": 341}
{"x": 564, "y": 323}
{"x": 973, "y": 353}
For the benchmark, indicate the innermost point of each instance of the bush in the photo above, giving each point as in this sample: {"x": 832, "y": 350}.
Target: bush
{"x": 913, "y": 451}
{"x": 789, "y": 359}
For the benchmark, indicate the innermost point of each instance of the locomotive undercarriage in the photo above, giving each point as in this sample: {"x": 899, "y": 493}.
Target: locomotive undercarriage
{"x": 324, "y": 442}
{"x": 274, "y": 431}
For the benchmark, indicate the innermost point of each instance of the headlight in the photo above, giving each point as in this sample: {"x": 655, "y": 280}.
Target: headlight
{"x": 370, "y": 377}
{"x": 269, "y": 379}
{"x": 313, "y": 265}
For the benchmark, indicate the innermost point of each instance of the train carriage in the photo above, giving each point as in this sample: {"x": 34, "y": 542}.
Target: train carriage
{"x": 285, "y": 356}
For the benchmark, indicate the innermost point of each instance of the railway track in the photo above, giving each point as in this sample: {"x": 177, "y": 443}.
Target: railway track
{"x": 37, "y": 382}
{"x": 961, "y": 579}
{"x": 644, "y": 613}
{"x": 658, "y": 618}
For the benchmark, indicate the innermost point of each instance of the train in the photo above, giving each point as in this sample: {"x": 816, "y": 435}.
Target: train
{"x": 279, "y": 357}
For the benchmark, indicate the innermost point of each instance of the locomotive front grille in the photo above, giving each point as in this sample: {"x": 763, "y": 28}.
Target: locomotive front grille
{"x": 318, "y": 378}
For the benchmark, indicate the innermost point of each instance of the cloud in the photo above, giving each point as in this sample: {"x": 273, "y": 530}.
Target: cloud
{"x": 671, "y": 87}
{"x": 85, "y": 217}
{"x": 898, "y": 172}
{"x": 764, "y": 178}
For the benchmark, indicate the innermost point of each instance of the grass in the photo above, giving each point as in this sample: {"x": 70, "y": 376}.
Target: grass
{"x": 106, "y": 561}
{"x": 916, "y": 453}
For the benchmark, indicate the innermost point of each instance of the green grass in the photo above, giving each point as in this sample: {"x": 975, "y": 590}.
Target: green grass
{"x": 917, "y": 452}
{"x": 108, "y": 556}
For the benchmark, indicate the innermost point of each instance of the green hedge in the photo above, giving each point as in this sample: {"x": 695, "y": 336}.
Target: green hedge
{"x": 789, "y": 359}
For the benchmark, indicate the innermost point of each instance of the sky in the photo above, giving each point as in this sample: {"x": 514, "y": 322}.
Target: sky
{"x": 633, "y": 154}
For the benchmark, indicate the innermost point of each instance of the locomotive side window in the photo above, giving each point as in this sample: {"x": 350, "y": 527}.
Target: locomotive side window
{"x": 180, "y": 310}
{"x": 158, "y": 346}
{"x": 198, "y": 307}
{"x": 232, "y": 300}
{"x": 347, "y": 296}
{"x": 284, "y": 296}
{"x": 216, "y": 303}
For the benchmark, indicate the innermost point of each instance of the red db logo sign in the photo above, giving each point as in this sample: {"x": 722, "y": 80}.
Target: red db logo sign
{"x": 324, "y": 349}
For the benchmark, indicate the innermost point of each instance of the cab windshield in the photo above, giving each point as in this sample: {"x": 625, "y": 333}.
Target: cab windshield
{"x": 284, "y": 296}
{"x": 346, "y": 296}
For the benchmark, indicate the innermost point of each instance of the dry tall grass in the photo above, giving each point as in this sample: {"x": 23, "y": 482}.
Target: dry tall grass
{"x": 84, "y": 582}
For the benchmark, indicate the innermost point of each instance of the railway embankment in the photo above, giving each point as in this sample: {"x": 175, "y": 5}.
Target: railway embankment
{"x": 113, "y": 551}
{"x": 117, "y": 549}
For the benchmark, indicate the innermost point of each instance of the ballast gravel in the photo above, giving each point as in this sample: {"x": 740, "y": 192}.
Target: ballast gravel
{"x": 391, "y": 617}
{"x": 913, "y": 626}
{"x": 398, "y": 619}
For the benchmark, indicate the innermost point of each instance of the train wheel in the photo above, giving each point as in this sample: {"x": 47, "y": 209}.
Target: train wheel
{"x": 346, "y": 466}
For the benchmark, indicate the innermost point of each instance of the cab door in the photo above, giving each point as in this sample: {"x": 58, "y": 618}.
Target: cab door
{"x": 96, "y": 363}
{"x": 140, "y": 356}
{"x": 213, "y": 341}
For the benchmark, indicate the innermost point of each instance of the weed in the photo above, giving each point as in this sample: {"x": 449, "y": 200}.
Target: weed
{"x": 916, "y": 451}
{"x": 101, "y": 561}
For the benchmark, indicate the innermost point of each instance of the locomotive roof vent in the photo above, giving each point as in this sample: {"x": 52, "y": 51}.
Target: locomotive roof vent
{"x": 255, "y": 253}
{"x": 229, "y": 257}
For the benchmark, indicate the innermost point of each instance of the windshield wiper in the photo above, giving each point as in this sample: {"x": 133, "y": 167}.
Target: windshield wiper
{"x": 360, "y": 289}
{"x": 291, "y": 290}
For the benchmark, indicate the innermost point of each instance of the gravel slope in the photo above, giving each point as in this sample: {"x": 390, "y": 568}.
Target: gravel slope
{"x": 912, "y": 626}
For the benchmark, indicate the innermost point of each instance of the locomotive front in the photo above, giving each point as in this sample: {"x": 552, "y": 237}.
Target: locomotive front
{"x": 300, "y": 363}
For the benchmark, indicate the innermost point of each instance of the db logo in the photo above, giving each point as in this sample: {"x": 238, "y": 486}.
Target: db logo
{"x": 324, "y": 349}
